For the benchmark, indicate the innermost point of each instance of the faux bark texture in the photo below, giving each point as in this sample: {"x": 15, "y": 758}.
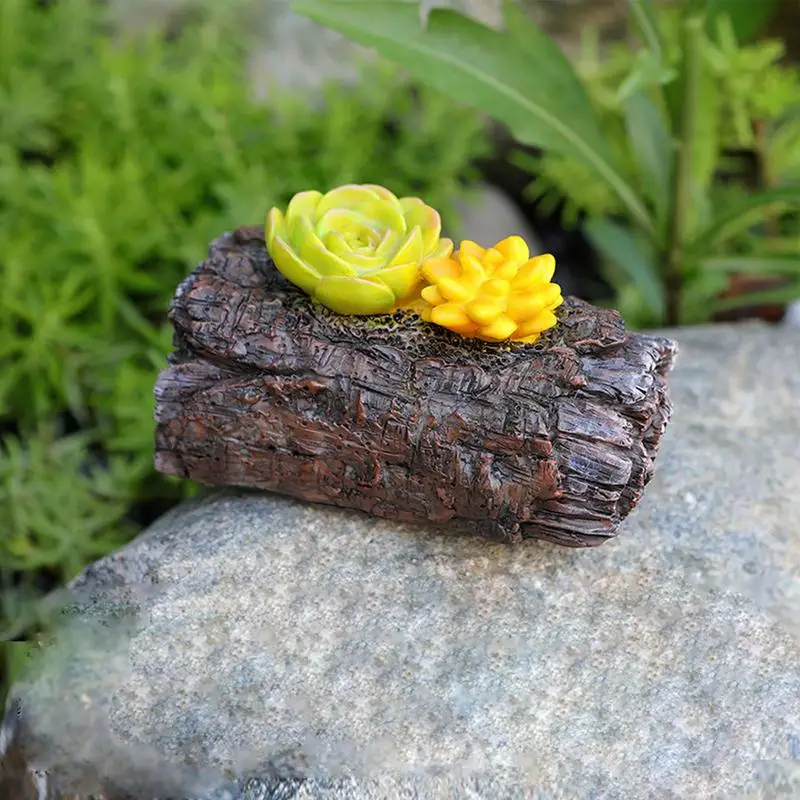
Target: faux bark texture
{"x": 403, "y": 419}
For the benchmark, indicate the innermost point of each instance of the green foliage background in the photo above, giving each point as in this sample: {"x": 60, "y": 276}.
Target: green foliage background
{"x": 746, "y": 138}
{"x": 121, "y": 158}
{"x": 742, "y": 83}
{"x": 676, "y": 151}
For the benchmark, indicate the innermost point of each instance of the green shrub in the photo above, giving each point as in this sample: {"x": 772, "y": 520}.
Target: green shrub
{"x": 750, "y": 101}
{"x": 121, "y": 157}
{"x": 746, "y": 137}
{"x": 639, "y": 140}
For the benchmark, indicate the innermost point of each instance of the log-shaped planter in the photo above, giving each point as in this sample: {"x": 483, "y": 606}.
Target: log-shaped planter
{"x": 403, "y": 419}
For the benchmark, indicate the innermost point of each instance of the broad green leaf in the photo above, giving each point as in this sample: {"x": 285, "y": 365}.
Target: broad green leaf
{"x": 685, "y": 190}
{"x": 702, "y": 210}
{"x": 706, "y": 140}
{"x": 619, "y": 246}
{"x": 533, "y": 41}
{"x": 633, "y": 308}
{"x": 755, "y": 264}
{"x": 748, "y": 17}
{"x": 652, "y": 147}
{"x": 743, "y": 216}
{"x": 527, "y": 87}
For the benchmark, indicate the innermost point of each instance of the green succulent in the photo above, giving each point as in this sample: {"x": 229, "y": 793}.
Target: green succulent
{"x": 357, "y": 249}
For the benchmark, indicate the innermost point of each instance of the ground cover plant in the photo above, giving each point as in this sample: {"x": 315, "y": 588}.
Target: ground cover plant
{"x": 121, "y": 157}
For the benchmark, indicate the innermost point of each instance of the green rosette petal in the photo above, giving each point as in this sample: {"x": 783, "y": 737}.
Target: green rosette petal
{"x": 352, "y": 295}
{"x": 358, "y": 249}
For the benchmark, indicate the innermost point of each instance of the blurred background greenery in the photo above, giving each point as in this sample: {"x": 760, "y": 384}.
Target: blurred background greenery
{"x": 124, "y": 150}
{"x": 122, "y": 155}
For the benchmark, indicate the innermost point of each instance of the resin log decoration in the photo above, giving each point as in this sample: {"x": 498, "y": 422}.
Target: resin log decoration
{"x": 404, "y": 419}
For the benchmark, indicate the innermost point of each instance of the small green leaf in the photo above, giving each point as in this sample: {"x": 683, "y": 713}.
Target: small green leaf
{"x": 619, "y": 246}
{"x": 755, "y": 264}
{"x": 744, "y": 215}
{"x": 706, "y": 139}
{"x": 646, "y": 73}
{"x": 646, "y": 21}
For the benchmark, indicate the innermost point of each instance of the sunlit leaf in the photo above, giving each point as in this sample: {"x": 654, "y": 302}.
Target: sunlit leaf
{"x": 524, "y": 86}
{"x": 646, "y": 21}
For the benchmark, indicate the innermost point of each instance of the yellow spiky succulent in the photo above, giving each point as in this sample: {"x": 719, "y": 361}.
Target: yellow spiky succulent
{"x": 498, "y": 293}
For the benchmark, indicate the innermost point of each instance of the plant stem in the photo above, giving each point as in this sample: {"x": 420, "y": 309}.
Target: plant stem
{"x": 682, "y": 187}
{"x": 764, "y": 174}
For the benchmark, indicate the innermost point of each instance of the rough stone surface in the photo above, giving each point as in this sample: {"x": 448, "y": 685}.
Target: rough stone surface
{"x": 792, "y": 316}
{"x": 257, "y": 635}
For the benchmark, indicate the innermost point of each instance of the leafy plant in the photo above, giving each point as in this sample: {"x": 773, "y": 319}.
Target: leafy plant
{"x": 638, "y": 144}
{"x": 62, "y": 506}
{"x": 744, "y": 88}
{"x": 121, "y": 157}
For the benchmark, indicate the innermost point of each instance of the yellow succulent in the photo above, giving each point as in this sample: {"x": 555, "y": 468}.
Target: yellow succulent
{"x": 357, "y": 249}
{"x": 493, "y": 294}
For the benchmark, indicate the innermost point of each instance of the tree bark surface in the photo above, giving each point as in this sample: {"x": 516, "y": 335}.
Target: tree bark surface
{"x": 403, "y": 419}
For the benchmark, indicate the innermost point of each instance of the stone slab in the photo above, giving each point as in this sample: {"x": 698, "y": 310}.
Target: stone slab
{"x": 338, "y": 656}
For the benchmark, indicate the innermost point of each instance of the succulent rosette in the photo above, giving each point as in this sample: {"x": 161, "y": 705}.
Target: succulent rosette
{"x": 357, "y": 249}
{"x": 493, "y": 294}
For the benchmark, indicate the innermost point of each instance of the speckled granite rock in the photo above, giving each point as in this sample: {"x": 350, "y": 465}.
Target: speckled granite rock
{"x": 345, "y": 658}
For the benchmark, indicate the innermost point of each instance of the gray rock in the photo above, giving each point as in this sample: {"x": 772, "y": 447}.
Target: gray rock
{"x": 792, "y": 316}
{"x": 283, "y": 58}
{"x": 490, "y": 215}
{"x": 342, "y": 657}
{"x": 286, "y": 62}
